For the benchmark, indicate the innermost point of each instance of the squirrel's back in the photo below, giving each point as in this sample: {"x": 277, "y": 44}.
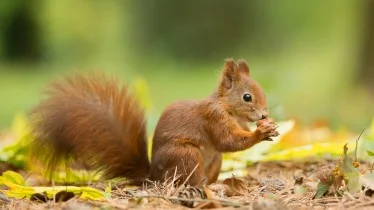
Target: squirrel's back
{"x": 95, "y": 121}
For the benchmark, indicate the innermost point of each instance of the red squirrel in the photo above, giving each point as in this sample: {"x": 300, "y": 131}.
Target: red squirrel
{"x": 93, "y": 120}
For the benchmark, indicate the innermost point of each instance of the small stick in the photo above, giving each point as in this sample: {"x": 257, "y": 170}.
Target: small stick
{"x": 357, "y": 142}
{"x": 223, "y": 201}
{"x": 185, "y": 181}
{"x": 364, "y": 204}
{"x": 54, "y": 193}
{"x": 171, "y": 184}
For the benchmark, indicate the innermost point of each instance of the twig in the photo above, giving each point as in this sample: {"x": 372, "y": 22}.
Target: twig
{"x": 185, "y": 181}
{"x": 357, "y": 142}
{"x": 27, "y": 177}
{"x": 121, "y": 192}
{"x": 286, "y": 189}
{"x": 327, "y": 200}
{"x": 258, "y": 192}
{"x": 256, "y": 195}
{"x": 364, "y": 204}
{"x": 4, "y": 199}
{"x": 171, "y": 184}
{"x": 349, "y": 195}
{"x": 362, "y": 194}
{"x": 54, "y": 193}
{"x": 118, "y": 206}
{"x": 223, "y": 201}
{"x": 257, "y": 172}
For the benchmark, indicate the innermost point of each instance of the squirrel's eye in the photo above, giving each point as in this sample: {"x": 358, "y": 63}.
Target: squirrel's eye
{"x": 247, "y": 97}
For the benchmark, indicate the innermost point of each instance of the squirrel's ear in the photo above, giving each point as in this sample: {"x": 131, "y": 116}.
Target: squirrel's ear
{"x": 230, "y": 74}
{"x": 243, "y": 67}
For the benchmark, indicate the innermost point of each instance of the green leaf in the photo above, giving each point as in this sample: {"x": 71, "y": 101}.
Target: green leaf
{"x": 352, "y": 174}
{"x": 370, "y": 153}
{"x": 16, "y": 152}
{"x": 322, "y": 189}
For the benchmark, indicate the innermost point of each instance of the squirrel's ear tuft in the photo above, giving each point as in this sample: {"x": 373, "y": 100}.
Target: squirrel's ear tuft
{"x": 243, "y": 67}
{"x": 230, "y": 74}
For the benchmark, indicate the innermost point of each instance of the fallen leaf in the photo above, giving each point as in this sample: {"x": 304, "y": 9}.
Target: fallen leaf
{"x": 300, "y": 190}
{"x": 367, "y": 180}
{"x": 14, "y": 182}
{"x": 64, "y": 196}
{"x": 351, "y": 174}
{"x": 11, "y": 178}
{"x": 235, "y": 186}
{"x": 325, "y": 175}
{"x": 42, "y": 197}
{"x": 370, "y": 153}
{"x": 318, "y": 132}
{"x": 91, "y": 193}
{"x": 311, "y": 150}
{"x": 322, "y": 189}
{"x": 209, "y": 205}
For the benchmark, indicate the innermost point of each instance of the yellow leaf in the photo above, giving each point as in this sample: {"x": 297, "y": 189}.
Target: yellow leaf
{"x": 19, "y": 126}
{"x": 15, "y": 182}
{"x": 370, "y": 131}
{"x": 11, "y": 178}
{"x": 92, "y": 193}
{"x": 141, "y": 90}
{"x": 319, "y": 132}
{"x": 17, "y": 191}
{"x": 307, "y": 151}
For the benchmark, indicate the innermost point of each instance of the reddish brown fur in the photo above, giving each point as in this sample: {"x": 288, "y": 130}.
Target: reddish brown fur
{"x": 197, "y": 132}
{"x": 91, "y": 120}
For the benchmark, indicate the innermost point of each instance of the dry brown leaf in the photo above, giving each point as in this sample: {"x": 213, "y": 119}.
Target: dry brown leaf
{"x": 209, "y": 205}
{"x": 235, "y": 186}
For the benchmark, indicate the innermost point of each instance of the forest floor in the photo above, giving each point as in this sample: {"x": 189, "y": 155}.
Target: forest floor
{"x": 269, "y": 185}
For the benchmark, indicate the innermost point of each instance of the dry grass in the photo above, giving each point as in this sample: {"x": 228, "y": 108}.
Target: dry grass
{"x": 272, "y": 185}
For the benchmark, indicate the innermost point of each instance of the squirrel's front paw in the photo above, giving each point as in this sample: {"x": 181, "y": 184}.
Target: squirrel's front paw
{"x": 266, "y": 129}
{"x": 265, "y": 121}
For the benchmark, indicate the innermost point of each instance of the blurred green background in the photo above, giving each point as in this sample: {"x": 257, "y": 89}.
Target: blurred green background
{"x": 315, "y": 59}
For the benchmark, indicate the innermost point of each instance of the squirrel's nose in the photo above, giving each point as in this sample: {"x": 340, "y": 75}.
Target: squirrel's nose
{"x": 264, "y": 114}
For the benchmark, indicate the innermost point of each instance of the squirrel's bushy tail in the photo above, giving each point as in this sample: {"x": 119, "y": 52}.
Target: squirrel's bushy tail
{"x": 94, "y": 121}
